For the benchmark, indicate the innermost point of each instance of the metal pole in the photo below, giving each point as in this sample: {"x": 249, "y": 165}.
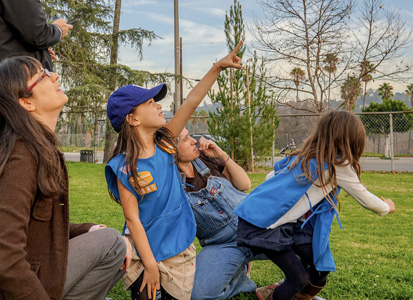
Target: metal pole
{"x": 181, "y": 90}
{"x": 177, "y": 95}
{"x": 273, "y": 149}
{"x": 391, "y": 143}
{"x": 232, "y": 108}
{"x": 249, "y": 115}
{"x": 95, "y": 135}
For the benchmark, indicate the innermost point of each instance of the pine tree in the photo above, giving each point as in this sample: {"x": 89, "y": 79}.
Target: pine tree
{"x": 88, "y": 74}
{"x": 231, "y": 124}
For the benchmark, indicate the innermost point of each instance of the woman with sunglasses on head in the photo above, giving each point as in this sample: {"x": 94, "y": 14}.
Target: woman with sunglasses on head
{"x": 42, "y": 254}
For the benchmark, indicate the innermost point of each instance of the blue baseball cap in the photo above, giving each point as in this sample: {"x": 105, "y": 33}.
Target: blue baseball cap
{"x": 125, "y": 98}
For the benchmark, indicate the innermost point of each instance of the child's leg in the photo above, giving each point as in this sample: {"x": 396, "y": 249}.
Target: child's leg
{"x": 136, "y": 295}
{"x": 134, "y": 288}
{"x": 294, "y": 271}
{"x": 305, "y": 252}
{"x": 165, "y": 295}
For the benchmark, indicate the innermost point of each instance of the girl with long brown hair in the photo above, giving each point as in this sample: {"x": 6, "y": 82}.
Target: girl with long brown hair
{"x": 143, "y": 176}
{"x": 288, "y": 217}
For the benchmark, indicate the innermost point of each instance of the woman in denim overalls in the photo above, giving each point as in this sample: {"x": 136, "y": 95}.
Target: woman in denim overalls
{"x": 221, "y": 265}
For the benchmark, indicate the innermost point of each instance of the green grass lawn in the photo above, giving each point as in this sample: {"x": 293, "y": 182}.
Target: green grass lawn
{"x": 373, "y": 254}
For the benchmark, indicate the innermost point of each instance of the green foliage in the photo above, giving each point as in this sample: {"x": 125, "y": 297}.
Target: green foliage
{"x": 381, "y": 124}
{"x": 350, "y": 91}
{"x": 386, "y": 91}
{"x": 230, "y": 124}
{"x": 409, "y": 92}
{"x": 84, "y": 59}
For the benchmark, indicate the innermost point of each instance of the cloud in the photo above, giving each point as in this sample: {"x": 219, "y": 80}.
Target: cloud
{"x": 160, "y": 18}
{"x": 139, "y": 3}
{"x": 215, "y": 12}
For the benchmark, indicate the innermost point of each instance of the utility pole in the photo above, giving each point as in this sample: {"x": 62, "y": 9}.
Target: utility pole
{"x": 181, "y": 89}
{"x": 177, "y": 95}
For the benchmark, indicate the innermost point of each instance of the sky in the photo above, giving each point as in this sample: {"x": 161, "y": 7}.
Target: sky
{"x": 201, "y": 26}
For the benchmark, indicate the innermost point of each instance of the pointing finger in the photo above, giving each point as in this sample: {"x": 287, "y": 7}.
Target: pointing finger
{"x": 237, "y": 47}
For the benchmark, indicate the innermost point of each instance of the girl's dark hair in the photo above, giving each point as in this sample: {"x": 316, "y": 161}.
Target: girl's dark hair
{"x": 337, "y": 139}
{"x": 129, "y": 144}
{"x": 18, "y": 124}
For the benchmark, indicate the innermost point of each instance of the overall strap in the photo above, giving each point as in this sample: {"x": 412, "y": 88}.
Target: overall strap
{"x": 201, "y": 167}
{"x": 183, "y": 180}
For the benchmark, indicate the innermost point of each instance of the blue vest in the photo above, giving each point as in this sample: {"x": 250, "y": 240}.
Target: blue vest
{"x": 275, "y": 197}
{"x": 163, "y": 210}
{"x": 213, "y": 208}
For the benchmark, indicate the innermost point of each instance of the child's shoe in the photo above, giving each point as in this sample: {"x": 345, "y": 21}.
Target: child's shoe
{"x": 265, "y": 291}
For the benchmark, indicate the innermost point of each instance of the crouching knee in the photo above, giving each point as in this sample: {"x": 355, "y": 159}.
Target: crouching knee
{"x": 115, "y": 244}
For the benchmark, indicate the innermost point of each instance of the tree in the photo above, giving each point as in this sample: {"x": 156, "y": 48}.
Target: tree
{"x": 366, "y": 71}
{"x": 330, "y": 60}
{"x": 232, "y": 123}
{"x": 298, "y": 75}
{"x": 306, "y": 34}
{"x": 381, "y": 38}
{"x": 110, "y": 135}
{"x": 87, "y": 72}
{"x": 409, "y": 92}
{"x": 350, "y": 91}
{"x": 380, "y": 124}
{"x": 386, "y": 91}
{"x": 301, "y": 33}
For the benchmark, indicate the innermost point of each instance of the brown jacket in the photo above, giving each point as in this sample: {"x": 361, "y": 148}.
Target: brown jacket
{"x": 34, "y": 233}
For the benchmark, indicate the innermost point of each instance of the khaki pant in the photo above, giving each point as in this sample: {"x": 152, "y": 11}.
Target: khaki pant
{"x": 94, "y": 263}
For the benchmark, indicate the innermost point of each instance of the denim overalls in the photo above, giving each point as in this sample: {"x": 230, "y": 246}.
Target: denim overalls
{"x": 221, "y": 264}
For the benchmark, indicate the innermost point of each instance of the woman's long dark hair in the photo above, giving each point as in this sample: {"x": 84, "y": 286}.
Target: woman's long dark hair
{"x": 17, "y": 124}
{"x": 129, "y": 144}
{"x": 338, "y": 138}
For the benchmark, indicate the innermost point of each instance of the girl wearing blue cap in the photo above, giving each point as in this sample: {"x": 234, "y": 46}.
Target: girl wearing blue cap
{"x": 143, "y": 177}
{"x": 273, "y": 218}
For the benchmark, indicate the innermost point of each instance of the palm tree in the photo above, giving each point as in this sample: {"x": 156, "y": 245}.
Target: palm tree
{"x": 366, "y": 71}
{"x": 386, "y": 91}
{"x": 330, "y": 60}
{"x": 298, "y": 75}
{"x": 409, "y": 92}
{"x": 350, "y": 91}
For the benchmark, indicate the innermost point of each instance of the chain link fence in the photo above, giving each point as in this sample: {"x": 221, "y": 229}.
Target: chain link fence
{"x": 389, "y": 143}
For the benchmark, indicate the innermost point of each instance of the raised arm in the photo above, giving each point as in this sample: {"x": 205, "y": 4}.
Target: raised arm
{"x": 140, "y": 239}
{"x": 198, "y": 93}
{"x": 348, "y": 180}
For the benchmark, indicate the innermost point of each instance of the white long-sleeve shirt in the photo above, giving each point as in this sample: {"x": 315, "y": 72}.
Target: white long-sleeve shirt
{"x": 346, "y": 179}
